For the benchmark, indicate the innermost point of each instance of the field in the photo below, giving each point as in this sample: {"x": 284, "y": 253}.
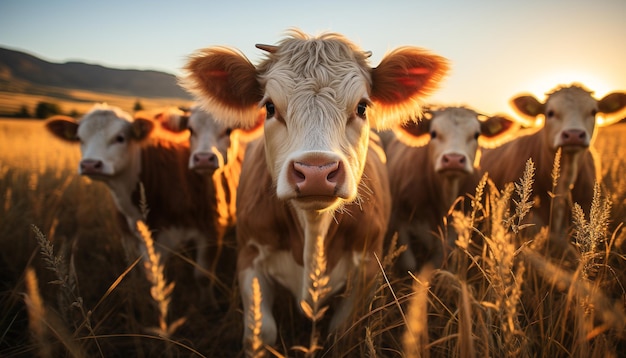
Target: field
{"x": 68, "y": 288}
{"x": 75, "y": 101}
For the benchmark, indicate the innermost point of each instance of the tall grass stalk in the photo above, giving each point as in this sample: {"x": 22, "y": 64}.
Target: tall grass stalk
{"x": 160, "y": 289}
{"x": 318, "y": 291}
{"x": 590, "y": 233}
{"x": 415, "y": 337}
{"x": 69, "y": 298}
{"x": 44, "y": 325}
{"x": 254, "y": 321}
{"x": 36, "y": 314}
{"x": 505, "y": 272}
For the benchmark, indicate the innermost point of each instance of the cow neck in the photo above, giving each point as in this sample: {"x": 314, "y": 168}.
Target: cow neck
{"x": 449, "y": 190}
{"x": 315, "y": 225}
{"x": 562, "y": 202}
{"x": 440, "y": 187}
{"x": 124, "y": 184}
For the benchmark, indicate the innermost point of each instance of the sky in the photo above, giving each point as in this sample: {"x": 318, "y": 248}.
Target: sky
{"x": 497, "y": 49}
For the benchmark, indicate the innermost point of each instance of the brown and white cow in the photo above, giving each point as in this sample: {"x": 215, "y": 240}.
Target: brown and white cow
{"x": 216, "y": 150}
{"x": 315, "y": 175}
{"x": 431, "y": 163}
{"x": 570, "y": 118}
{"x": 120, "y": 151}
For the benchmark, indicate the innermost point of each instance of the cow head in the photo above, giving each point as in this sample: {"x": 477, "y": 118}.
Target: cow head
{"x": 212, "y": 143}
{"x": 321, "y": 98}
{"x": 453, "y": 136}
{"x": 570, "y": 115}
{"x": 109, "y": 139}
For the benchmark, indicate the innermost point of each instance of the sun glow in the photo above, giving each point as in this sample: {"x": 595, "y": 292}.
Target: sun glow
{"x": 546, "y": 82}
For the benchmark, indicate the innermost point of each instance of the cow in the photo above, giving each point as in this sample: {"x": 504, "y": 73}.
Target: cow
{"x": 136, "y": 165}
{"x": 216, "y": 150}
{"x": 569, "y": 116}
{"x": 431, "y": 163}
{"x": 317, "y": 177}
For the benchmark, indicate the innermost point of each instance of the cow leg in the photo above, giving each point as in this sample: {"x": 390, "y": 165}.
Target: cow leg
{"x": 268, "y": 330}
{"x": 407, "y": 258}
{"x": 208, "y": 254}
{"x": 360, "y": 289}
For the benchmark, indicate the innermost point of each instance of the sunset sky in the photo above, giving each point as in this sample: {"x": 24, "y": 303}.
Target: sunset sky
{"x": 497, "y": 49}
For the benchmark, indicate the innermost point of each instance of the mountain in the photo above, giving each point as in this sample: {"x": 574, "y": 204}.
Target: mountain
{"x": 30, "y": 72}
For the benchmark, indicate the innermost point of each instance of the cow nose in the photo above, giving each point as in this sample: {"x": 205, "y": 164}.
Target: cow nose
{"x": 205, "y": 160}
{"x": 453, "y": 161}
{"x": 90, "y": 166}
{"x": 574, "y": 137}
{"x": 317, "y": 179}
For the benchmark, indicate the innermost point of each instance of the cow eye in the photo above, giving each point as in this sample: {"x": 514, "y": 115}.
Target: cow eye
{"x": 120, "y": 139}
{"x": 361, "y": 108}
{"x": 228, "y": 131}
{"x": 550, "y": 114}
{"x": 270, "y": 109}
{"x": 433, "y": 134}
{"x": 594, "y": 112}
{"x": 476, "y": 135}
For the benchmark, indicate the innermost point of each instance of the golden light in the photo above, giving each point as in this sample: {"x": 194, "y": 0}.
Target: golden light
{"x": 546, "y": 82}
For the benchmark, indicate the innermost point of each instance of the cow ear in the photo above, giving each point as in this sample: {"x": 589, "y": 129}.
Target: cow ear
{"x": 613, "y": 106}
{"x": 402, "y": 79}
{"x": 528, "y": 106}
{"x": 496, "y": 130}
{"x": 415, "y": 133}
{"x": 141, "y": 128}
{"x": 248, "y": 134}
{"x": 225, "y": 82}
{"x": 63, "y": 127}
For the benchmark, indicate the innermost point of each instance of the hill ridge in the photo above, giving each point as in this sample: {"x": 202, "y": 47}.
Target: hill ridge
{"x": 24, "y": 68}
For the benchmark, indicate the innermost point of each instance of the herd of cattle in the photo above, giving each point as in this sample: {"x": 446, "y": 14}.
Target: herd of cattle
{"x": 313, "y": 145}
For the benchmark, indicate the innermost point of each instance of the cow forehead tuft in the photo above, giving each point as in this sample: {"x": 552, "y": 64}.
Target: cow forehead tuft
{"x": 323, "y": 58}
{"x": 100, "y": 120}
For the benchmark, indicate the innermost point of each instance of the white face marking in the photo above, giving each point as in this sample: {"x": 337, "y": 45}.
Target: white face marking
{"x": 106, "y": 145}
{"x": 570, "y": 118}
{"x": 316, "y": 132}
{"x": 211, "y": 142}
{"x": 454, "y": 140}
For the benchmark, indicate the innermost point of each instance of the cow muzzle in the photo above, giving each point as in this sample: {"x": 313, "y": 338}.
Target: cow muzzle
{"x": 317, "y": 178}
{"x": 454, "y": 164}
{"x": 573, "y": 139}
{"x": 91, "y": 167}
{"x": 205, "y": 162}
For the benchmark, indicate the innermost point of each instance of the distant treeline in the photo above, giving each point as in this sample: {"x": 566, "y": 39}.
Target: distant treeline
{"x": 45, "y": 109}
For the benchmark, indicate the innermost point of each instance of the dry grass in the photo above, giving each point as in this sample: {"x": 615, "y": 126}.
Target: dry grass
{"x": 67, "y": 289}
{"x": 78, "y": 101}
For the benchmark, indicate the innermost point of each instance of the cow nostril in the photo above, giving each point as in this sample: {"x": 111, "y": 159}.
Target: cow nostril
{"x": 298, "y": 174}
{"x": 334, "y": 174}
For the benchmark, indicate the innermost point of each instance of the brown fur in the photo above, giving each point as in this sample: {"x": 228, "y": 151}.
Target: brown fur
{"x": 506, "y": 164}
{"x": 272, "y": 222}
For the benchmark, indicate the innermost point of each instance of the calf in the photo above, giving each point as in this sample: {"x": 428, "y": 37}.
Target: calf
{"x": 569, "y": 115}
{"x": 216, "y": 150}
{"x": 120, "y": 152}
{"x": 431, "y": 163}
{"x": 316, "y": 177}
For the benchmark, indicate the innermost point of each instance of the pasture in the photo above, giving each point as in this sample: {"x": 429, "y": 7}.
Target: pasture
{"x": 69, "y": 289}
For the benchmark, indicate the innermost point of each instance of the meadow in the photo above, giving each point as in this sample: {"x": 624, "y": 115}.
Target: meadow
{"x": 69, "y": 288}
